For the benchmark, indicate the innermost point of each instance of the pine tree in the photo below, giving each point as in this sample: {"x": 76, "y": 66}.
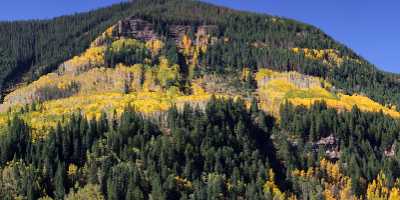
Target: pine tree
{"x": 59, "y": 181}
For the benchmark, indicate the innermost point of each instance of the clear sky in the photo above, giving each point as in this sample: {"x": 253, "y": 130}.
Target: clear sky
{"x": 370, "y": 27}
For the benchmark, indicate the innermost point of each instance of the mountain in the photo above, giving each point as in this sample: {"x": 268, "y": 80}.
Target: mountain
{"x": 178, "y": 99}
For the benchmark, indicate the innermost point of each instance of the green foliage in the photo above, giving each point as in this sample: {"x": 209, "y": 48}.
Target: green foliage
{"x": 127, "y": 51}
{"x": 227, "y": 149}
{"x": 29, "y": 49}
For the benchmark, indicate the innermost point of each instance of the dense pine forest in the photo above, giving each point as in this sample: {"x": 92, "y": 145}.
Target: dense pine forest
{"x": 223, "y": 152}
{"x": 178, "y": 99}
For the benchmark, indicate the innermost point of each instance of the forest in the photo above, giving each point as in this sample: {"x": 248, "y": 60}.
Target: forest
{"x": 30, "y": 49}
{"x": 226, "y": 151}
{"x": 254, "y": 107}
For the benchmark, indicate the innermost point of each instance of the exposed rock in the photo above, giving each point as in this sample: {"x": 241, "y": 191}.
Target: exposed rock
{"x": 390, "y": 152}
{"x": 136, "y": 28}
{"x": 144, "y": 30}
{"x": 330, "y": 140}
{"x": 331, "y": 146}
{"x": 333, "y": 154}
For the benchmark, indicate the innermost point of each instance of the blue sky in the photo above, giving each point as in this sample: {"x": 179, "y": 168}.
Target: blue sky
{"x": 369, "y": 27}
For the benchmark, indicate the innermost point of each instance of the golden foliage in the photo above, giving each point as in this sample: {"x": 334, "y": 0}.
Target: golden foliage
{"x": 245, "y": 74}
{"x": 150, "y": 75}
{"x": 90, "y": 191}
{"x": 167, "y": 73}
{"x": 155, "y": 46}
{"x": 275, "y": 88}
{"x": 92, "y": 57}
{"x": 126, "y": 43}
{"x": 272, "y": 188}
{"x": 72, "y": 170}
{"x": 186, "y": 44}
{"x": 331, "y": 57}
{"x": 92, "y": 105}
{"x": 336, "y": 185}
{"x": 378, "y": 189}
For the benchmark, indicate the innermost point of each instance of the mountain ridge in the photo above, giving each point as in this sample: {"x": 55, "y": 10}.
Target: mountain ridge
{"x": 175, "y": 99}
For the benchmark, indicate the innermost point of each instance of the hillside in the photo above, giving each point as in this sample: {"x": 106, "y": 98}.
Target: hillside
{"x": 24, "y": 52}
{"x": 177, "y": 99}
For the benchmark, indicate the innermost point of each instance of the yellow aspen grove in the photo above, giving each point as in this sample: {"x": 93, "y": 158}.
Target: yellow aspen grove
{"x": 193, "y": 63}
{"x": 155, "y": 46}
{"x": 275, "y": 88}
{"x": 346, "y": 193}
{"x": 245, "y": 73}
{"x": 272, "y": 188}
{"x": 186, "y": 44}
{"x": 394, "y": 194}
{"x": 335, "y": 185}
{"x": 379, "y": 190}
{"x": 149, "y": 79}
{"x": 167, "y": 73}
{"x": 72, "y": 170}
{"x": 328, "y": 194}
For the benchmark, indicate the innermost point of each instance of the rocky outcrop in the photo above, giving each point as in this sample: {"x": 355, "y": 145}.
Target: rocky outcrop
{"x": 145, "y": 31}
{"x": 299, "y": 80}
{"x": 136, "y": 28}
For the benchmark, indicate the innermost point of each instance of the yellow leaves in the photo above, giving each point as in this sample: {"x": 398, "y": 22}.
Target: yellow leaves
{"x": 346, "y": 192}
{"x": 265, "y": 73}
{"x": 92, "y": 57}
{"x": 155, "y": 46}
{"x": 173, "y": 92}
{"x": 89, "y": 191}
{"x": 334, "y": 172}
{"x": 72, "y": 170}
{"x": 197, "y": 89}
{"x": 124, "y": 43}
{"x": 328, "y": 56}
{"x": 186, "y": 44}
{"x": 167, "y": 73}
{"x": 137, "y": 71}
{"x": 203, "y": 49}
{"x": 92, "y": 106}
{"x": 328, "y": 194}
{"x": 378, "y": 189}
{"x": 149, "y": 83}
{"x": 335, "y": 184}
{"x": 109, "y": 31}
{"x": 275, "y": 88}
{"x": 346, "y": 102}
{"x": 245, "y": 74}
{"x": 331, "y": 57}
{"x": 394, "y": 194}
{"x": 272, "y": 188}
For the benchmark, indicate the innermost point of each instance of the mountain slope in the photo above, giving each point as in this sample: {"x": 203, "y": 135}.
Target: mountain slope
{"x": 177, "y": 99}
{"x": 269, "y": 33}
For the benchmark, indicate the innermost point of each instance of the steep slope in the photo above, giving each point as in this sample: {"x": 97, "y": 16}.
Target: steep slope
{"x": 29, "y": 49}
{"x": 176, "y": 99}
{"x": 272, "y": 37}
{"x": 131, "y": 65}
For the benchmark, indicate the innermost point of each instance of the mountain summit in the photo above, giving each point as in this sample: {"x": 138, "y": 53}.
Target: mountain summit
{"x": 178, "y": 99}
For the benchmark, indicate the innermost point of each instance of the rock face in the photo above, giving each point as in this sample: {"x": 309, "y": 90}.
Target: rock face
{"x": 144, "y": 30}
{"x": 136, "y": 28}
{"x": 299, "y": 80}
